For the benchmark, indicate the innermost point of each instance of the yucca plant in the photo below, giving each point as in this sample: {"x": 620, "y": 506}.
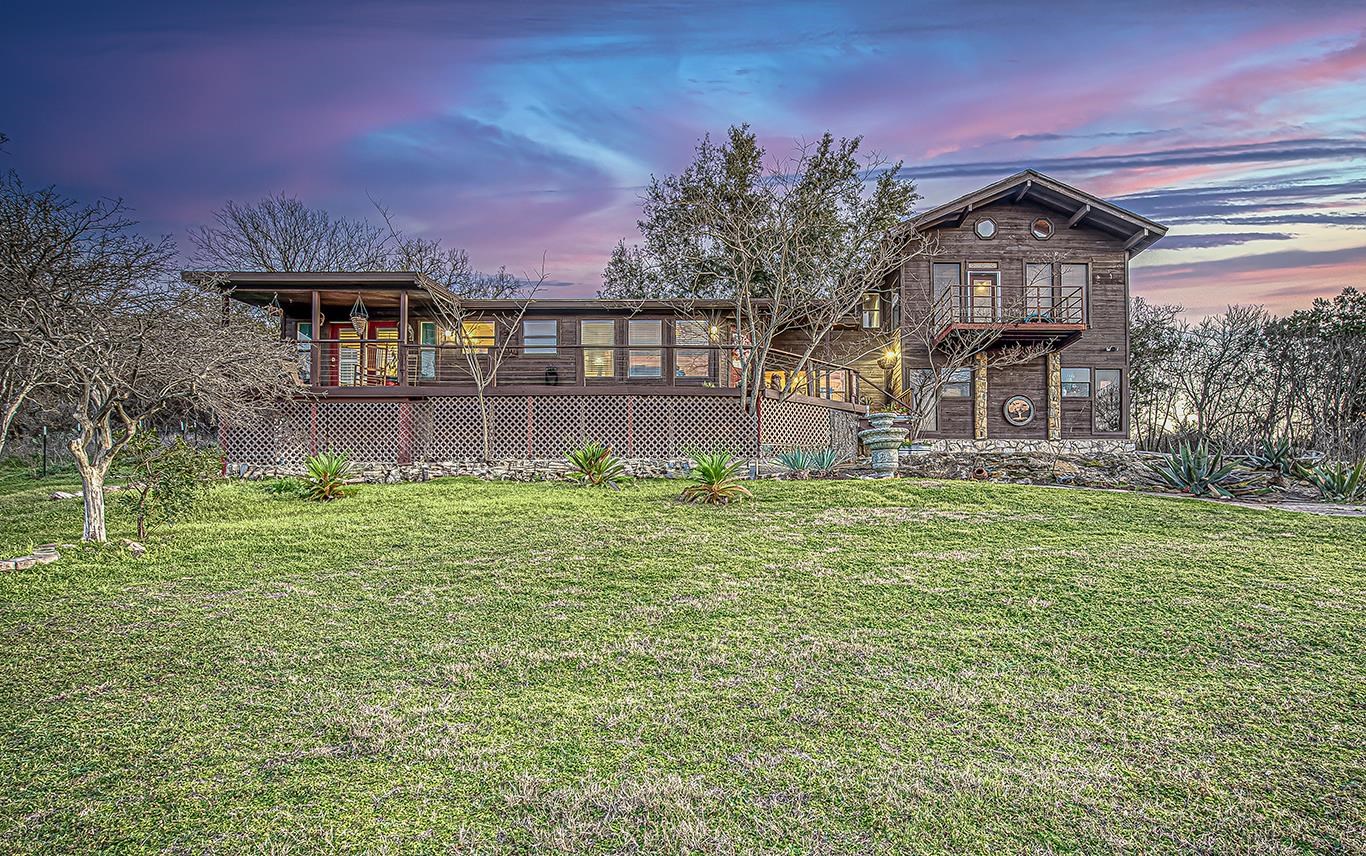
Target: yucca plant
{"x": 1339, "y": 481}
{"x": 716, "y": 480}
{"x": 326, "y": 476}
{"x": 797, "y": 462}
{"x": 1275, "y": 456}
{"x": 1197, "y": 470}
{"x": 823, "y": 462}
{"x": 594, "y": 464}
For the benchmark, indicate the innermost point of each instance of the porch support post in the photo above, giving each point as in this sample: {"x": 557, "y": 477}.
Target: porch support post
{"x": 1054, "y": 363}
{"x": 315, "y": 353}
{"x": 979, "y": 404}
{"x": 403, "y": 338}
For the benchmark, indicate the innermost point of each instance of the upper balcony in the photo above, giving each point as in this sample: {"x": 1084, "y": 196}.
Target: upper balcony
{"x": 1012, "y": 314}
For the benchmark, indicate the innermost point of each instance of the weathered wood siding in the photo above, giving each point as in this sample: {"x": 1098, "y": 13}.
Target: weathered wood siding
{"x": 1104, "y": 344}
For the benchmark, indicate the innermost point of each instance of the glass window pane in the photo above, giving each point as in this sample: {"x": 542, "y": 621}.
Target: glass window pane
{"x": 1038, "y": 291}
{"x": 540, "y": 336}
{"x": 1076, "y": 383}
{"x": 958, "y": 385}
{"x": 598, "y": 337}
{"x": 303, "y": 335}
{"x": 872, "y": 310}
{"x": 475, "y": 336}
{"x": 1108, "y": 414}
{"x": 643, "y": 362}
{"x": 426, "y": 360}
{"x": 692, "y": 362}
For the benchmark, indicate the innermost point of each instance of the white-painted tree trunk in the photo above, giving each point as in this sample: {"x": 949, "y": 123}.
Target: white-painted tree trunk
{"x": 92, "y": 486}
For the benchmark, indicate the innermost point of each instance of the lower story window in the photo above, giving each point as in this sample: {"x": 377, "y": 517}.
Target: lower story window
{"x": 1107, "y": 414}
{"x": 958, "y": 385}
{"x": 1076, "y": 383}
{"x": 645, "y": 362}
{"x": 692, "y": 362}
{"x": 598, "y": 338}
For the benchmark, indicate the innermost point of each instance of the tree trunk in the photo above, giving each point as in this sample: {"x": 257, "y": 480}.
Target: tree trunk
{"x": 92, "y": 488}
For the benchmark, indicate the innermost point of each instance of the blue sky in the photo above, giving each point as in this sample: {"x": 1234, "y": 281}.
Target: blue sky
{"x": 523, "y": 130}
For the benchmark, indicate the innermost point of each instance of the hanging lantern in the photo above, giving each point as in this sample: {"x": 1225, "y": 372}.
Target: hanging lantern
{"x": 274, "y": 311}
{"x": 360, "y": 317}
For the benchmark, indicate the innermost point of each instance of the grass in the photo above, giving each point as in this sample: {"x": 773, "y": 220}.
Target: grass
{"x": 836, "y": 667}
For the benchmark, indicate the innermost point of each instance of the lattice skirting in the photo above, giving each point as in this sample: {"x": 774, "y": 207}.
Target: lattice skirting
{"x": 448, "y": 428}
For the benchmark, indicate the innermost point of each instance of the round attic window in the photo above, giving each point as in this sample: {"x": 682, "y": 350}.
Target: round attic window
{"x": 1041, "y": 228}
{"x": 1018, "y": 410}
{"x": 985, "y": 228}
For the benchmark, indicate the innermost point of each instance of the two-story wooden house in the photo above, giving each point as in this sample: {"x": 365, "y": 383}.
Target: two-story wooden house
{"x": 1026, "y": 262}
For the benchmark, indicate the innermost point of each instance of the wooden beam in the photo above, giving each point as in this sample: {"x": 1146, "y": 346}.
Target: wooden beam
{"x": 1024, "y": 188}
{"x": 315, "y": 354}
{"x": 1138, "y": 236}
{"x": 1080, "y": 213}
{"x": 403, "y": 338}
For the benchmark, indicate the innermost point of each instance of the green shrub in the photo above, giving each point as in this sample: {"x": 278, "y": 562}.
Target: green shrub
{"x": 1197, "y": 470}
{"x": 1339, "y": 482}
{"x": 797, "y": 462}
{"x": 716, "y": 480}
{"x": 283, "y": 487}
{"x": 328, "y": 474}
{"x": 165, "y": 480}
{"x": 594, "y": 464}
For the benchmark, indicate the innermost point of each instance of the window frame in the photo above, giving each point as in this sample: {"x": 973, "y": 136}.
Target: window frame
{"x": 426, "y": 351}
{"x": 871, "y": 318}
{"x": 644, "y": 350}
{"x": 1085, "y": 287}
{"x": 1052, "y": 229}
{"x": 535, "y": 343}
{"x": 703, "y": 348}
{"x": 977, "y": 225}
{"x": 954, "y": 382}
{"x": 608, "y": 350}
{"x": 1063, "y": 382}
{"x": 1118, "y": 387}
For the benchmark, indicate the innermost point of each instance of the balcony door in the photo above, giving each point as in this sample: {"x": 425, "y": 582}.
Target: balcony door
{"x": 984, "y": 296}
{"x": 372, "y": 363}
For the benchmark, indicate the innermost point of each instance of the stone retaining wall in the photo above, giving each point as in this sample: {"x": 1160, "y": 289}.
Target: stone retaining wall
{"x": 1099, "y": 469}
{"x": 1041, "y": 447}
{"x": 504, "y": 469}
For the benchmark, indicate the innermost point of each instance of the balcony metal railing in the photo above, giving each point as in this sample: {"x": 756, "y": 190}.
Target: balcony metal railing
{"x": 1010, "y": 305}
{"x": 374, "y": 363}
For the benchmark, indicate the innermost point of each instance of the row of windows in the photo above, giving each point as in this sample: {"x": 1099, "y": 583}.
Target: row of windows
{"x": 541, "y": 336}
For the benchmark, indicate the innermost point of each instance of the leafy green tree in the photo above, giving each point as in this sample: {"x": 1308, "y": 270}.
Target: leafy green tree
{"x": 166, "y": 480}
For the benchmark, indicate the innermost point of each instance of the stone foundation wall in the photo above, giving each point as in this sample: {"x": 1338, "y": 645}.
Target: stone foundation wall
{"x": 506, "y": 469}
{"x": 1097, "y": 469}
{"x": 1035, "y": 447}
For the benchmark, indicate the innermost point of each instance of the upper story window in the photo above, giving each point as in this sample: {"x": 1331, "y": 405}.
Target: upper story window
{"x": 692, "y": 362}
{"x": 476, "y": 337}
{"x": 1041, "y": 228}
{"x": 985, "y": 228}
{"x": 645, "y": 362}
{"x": 946, "y": 277}
{"x": 540, "y": 335}
{"x": 1074, "y": 281}
{"x": 872, "y": 310}
{"x": 599, "y": 356}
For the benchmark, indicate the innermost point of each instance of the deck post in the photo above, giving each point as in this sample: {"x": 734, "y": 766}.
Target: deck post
{"x": 315, "y": 354}
{"x": 403, "y": 338}
{"x": 1054, "y": 362}
{"x": 979, "y": 391}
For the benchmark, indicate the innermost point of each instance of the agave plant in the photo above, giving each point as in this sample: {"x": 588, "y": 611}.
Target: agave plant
{"x": 1197, "y": 470}
{"x": 327, "y": 475}
{"x": 824, "y": 461}
{"x": 1339, "y": 482}
{"x": 797, "y": 462}
{"x": 594, "y": 464}
{"x": 716, "y": 480}
{"x": 1276, "y": 456}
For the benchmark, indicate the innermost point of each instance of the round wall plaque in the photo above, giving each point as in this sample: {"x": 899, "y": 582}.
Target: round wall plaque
{"x": 1018, "y": 410}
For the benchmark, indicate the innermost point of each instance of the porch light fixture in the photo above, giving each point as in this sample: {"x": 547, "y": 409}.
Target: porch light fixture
{"x": 360, "y": 317}
{"x": 887, "y": 361}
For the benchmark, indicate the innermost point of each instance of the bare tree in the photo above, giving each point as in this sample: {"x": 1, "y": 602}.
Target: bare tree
{"x": 1155, "y": 338}
{"x": 935, "y": 359}
{"x": 280, "y": 233}
{"x": 793, "y": 244}
{"x": 97, "y": 314}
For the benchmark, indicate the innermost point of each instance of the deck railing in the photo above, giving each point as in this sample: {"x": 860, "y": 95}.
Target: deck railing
{"x": 375, "y": 363}
{"x": 1010, "y": 305}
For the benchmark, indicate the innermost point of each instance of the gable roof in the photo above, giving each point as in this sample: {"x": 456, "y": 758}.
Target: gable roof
{"x": 1082, "y": 208}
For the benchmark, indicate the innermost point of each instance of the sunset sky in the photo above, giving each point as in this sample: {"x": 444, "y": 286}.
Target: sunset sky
{"x": 526, "y": 128}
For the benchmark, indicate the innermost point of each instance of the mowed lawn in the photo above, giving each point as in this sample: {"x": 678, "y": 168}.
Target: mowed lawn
{"x": 838, "y": 667}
